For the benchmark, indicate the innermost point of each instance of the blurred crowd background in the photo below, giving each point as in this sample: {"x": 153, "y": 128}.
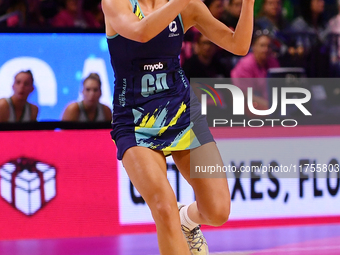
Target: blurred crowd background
{"x": 302, "y": 33}
{"x": 300, "y": 37}
{"x": 51, "y": 13}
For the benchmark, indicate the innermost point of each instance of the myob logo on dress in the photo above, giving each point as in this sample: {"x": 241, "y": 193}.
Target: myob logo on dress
{"x": 153, "y": 66}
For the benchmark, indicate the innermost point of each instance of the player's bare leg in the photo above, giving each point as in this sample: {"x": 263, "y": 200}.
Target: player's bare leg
{"x": 147, "y": 171}
{"x": 212, "y": 206}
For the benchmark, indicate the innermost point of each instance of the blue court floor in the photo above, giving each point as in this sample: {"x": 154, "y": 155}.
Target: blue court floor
{"x": 309, "y": 240}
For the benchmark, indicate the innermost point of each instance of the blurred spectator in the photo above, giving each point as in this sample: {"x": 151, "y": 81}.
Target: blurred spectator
{"x": 311, "y": 19}
{"x": 28, "y": 14}
{"x": 34, "y": 15}
{"x": 256, "y": 65}
{"x": 289, "y": 7}
{"x": 16, "y": 108}
{"x": 4, "y": 4}
{"x": 215, "y": 7}
{"x": 310, "y": 34}
{"x": 3, "y": 9}
{"x": 333, "y": 25}
{"x": 211, "y": 60}
{"x": 48, "y": 9}
{"x": 89, "y": 109}
{"x": 19, "y": 6}
{"x": 231, "y": 15}
{"x": 73, "y": 15}
{"x": 95, "y": 8}
{"x": 298, "y": 49}
{"x": 270, "y": 17}
{"x": 205, "y": 62}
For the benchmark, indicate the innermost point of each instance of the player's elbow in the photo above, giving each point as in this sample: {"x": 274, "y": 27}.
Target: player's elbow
{"x": 241, "y": 51}
{"x": 141, "y": 34}
{"x": 143, "y": 38}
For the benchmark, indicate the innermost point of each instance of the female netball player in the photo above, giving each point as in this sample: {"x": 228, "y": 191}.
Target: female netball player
{"x": 156, "y": 113}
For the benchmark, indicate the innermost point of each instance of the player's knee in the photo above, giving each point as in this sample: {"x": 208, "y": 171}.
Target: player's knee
{"x": 219, "y": 215}
{"x": 220, "y": 218}
{"x": 163, "y": 212}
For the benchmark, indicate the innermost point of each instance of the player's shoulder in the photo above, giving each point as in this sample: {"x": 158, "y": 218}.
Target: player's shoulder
{"x": 107, "y": 112}
{"x": 73, "y": 107}
{"x": 34, "y": 111}
{"x": 71, "y": 112}
{"x": 4, "y": 110}
{"x": 34, "y": 107}
{"x": 105, "y": 107}
{"x": 3, "y": 103}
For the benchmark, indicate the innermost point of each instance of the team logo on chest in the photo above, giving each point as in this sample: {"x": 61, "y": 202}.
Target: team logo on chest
{"x": 173, "y": 29}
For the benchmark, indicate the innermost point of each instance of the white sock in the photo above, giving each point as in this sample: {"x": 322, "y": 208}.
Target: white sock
{"x": 185, "y": 220}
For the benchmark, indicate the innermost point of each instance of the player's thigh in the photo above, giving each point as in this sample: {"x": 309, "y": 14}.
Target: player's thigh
{"x": 209, "y": 191}
{"x": 147, "y": 171}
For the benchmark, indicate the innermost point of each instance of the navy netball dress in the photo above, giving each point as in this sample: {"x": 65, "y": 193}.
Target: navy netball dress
{"x": 153, "y": 104}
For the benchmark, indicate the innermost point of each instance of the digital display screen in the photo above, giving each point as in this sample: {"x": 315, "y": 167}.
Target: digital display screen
{"x": 59, "y": 62}
{"x": 69, "y": 183}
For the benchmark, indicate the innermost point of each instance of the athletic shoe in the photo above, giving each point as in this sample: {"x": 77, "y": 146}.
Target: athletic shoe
{"x": 195, "y": 239}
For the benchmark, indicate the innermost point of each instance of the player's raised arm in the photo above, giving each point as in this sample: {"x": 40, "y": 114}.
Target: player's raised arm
{"x": 238, "y": 42}
{"x": 120, "y": 19}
